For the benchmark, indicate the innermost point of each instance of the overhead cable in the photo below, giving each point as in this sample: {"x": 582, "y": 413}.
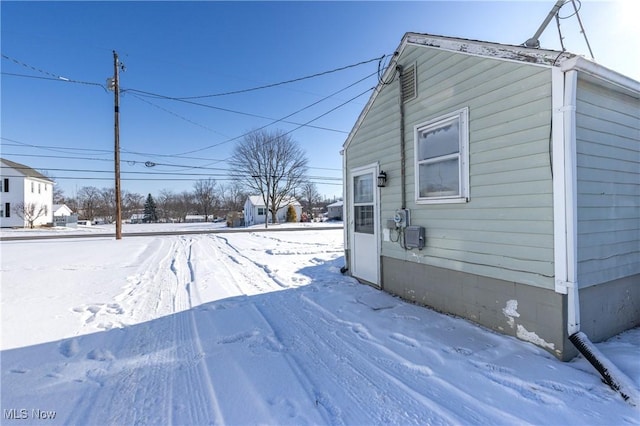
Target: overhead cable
{"x": 283, "y": 119}
{"x": 267, "y": 86}
{"x": 128, "y": 161}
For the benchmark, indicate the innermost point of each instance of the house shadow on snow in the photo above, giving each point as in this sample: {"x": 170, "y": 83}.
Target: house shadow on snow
{"x": 286, "y": 354}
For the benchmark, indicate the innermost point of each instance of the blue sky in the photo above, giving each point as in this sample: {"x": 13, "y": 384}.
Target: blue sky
{"x": 186, "y": 49}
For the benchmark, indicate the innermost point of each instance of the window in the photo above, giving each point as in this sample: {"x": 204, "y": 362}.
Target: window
{"x": 39, "y": 188}
{"x": 32, "y": 187}
{"x": 6, "y": 185}
{"x": 7, "y": 209}
{"x": 262, "y": 211}
{"x": 363, "y": 203}
{"x": 442, "y": 159}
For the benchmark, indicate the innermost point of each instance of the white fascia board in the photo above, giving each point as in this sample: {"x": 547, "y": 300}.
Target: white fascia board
{"x": 484, "y": 49}
{"x": 626, "y": 84}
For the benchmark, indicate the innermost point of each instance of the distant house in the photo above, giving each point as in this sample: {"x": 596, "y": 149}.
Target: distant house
{"x": 334, "y": 210}
{"x": 255, "y": 210}
{"x": 194, "y": 218}
{"x": 63, "y": 216}
{"x": 502, "y": 184}
{"x": 23, "y": 186}
{"x": 61, "y": 210}
{"x": 137, "y": 218}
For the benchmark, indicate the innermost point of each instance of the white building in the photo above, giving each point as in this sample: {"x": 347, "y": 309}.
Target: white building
{"x": 334, "y": 211}
{"x": 255, "y": 211}
{"x": 22, "y": 186}
{"x": 61, "y": 210}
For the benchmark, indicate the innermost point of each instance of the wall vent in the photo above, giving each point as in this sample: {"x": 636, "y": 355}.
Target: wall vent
{"x": 408, "y": 83}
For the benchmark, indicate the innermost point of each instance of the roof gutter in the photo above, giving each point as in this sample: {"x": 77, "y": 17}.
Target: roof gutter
{"x": 622, "y": 82}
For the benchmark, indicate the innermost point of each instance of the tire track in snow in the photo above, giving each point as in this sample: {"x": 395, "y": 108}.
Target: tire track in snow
{"x": 225, "y": 275}
{"x": 233, "y": 253}
{"x": 356, "y": 373}
{"x": 153, "y": 290}
{"x": 202, "y": 405}
{"x": 248, "y": 276}
{"x": 153, "y": 363}
{"x": 473, "y": 407}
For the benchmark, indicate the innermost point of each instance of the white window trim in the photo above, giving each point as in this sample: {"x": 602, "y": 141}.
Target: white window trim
{"x": 463, "y": 197}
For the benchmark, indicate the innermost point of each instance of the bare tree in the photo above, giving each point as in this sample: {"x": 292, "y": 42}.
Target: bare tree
{"x": 271, "y": 164}
{"x": 58, "y": 195}
{"x": 107, "y": 209}
{"x": 30, "y": 212}
{"x": 184, "y": 205}
{"x": 309, "y": 195}
{"x": 205, "y": 196}
{"x": 233, "y": 197}
{"x": 165, "y": 202}
{"x": 89, "y": 201}
{"x": 72, "y": 203}
{"x": 131, "y": 203}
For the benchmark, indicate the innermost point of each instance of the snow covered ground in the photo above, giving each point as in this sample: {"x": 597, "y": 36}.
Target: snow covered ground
{"x": 261, "y": 328}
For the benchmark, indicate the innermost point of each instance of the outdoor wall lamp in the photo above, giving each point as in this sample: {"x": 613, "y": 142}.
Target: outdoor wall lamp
{"x": 382, "y": 179}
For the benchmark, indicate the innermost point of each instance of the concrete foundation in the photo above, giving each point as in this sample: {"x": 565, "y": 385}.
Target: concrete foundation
{"x": 611, "y": 308}
{"x": 529, "y": 313}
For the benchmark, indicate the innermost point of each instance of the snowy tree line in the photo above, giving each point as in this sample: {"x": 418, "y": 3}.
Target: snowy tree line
{"x": 208, "y": 198}
{"x": 265, "y": 163}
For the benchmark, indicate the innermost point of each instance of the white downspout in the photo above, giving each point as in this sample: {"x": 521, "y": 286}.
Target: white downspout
{"x": 571, "y": 210}
{"x": 565, "y": 226}
{"x": 345, "y": 219}
{"x": 564, "y": 87}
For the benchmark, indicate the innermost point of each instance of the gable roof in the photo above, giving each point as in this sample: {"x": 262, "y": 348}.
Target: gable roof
{"x": 486, "y": 49}
{"x": 506, "y": 52}
{"x": 25, "y": 170}
{"x": 56, "y": 207}
{"x": 256, "y": 201}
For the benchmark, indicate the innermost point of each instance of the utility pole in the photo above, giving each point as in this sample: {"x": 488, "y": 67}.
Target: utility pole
{"x": 116, "y": 91}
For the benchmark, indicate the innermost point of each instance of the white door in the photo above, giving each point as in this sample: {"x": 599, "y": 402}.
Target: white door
{"x": 364, "y": 225}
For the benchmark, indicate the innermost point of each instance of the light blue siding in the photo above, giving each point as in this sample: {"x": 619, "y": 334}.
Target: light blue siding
{"x": 505, "y": 231}
{"x": 608, "y": 179}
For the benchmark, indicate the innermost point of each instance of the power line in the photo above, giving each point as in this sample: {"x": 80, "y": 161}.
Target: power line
{"x": 186, "y": 99}
{"x": 283, "y": 119}
{"x": 248, "y": 114}
{"x": 54, "y": 77}
{"x": 31, "y": 67}
{"x": 235, "y": 92}
{"x": 176, "y": 114}
{"x": 58, "y": 79}
{"x": 134, "y": 162}
{"x": 57, "y": 156}
{"x": 52, "y": 148}
{"x": 110, "y": 179}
